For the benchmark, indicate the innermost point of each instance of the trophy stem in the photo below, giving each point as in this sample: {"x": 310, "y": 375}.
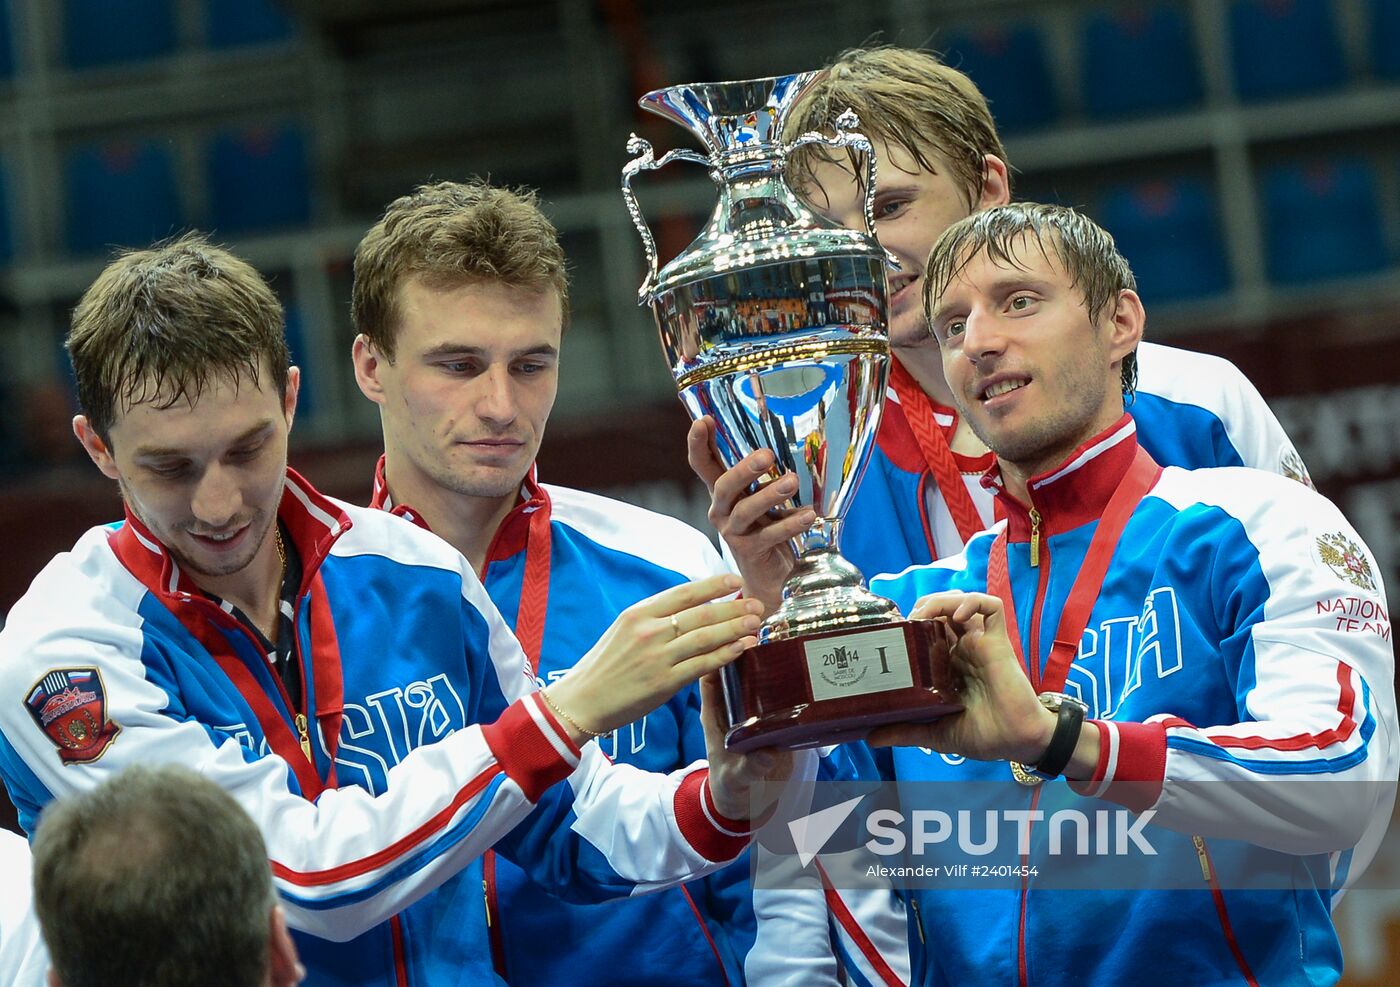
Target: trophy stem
{"x": 825, "y": 593}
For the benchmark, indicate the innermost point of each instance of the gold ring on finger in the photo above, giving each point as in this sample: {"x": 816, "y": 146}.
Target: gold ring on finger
{"x": 675, "y": 627}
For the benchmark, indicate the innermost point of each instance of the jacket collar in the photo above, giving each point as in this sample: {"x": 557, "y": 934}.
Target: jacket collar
{"x": 514, "y": 532}
{"x": 381, "y": 501}
{"x": 1075, "y": 492}
{"x": 313, "y": 521}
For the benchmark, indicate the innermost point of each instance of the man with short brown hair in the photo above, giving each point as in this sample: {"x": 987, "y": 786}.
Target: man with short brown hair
{"x": 461, "y": 301}
{"x": 341, "y": 673}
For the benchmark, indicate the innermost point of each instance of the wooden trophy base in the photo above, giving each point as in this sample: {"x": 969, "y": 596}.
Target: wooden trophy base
{"x": 837, "y": 686}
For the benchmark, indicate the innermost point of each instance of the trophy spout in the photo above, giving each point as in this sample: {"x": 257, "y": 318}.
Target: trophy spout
{"x": 731, "y": 116}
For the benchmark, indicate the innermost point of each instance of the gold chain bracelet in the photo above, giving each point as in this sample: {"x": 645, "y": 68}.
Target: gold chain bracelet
{"x": 544, "y": 694}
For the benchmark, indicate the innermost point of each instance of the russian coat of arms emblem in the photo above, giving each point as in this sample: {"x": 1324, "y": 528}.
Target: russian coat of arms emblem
{"x": 1346, "y": 558}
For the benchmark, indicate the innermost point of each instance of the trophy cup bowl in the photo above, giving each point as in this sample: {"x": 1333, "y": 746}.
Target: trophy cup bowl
{"x": 774, "y": 323}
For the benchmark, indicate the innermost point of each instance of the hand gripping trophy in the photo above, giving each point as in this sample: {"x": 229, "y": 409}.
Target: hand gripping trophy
{"x": 773, "y": 322}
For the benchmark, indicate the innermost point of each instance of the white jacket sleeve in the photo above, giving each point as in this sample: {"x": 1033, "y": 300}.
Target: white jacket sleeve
{"x": 24, "y": 962}
{"x": 351, "y": 859}
{"x": 1298, "y": 605}
{"x": 809, "y": 931}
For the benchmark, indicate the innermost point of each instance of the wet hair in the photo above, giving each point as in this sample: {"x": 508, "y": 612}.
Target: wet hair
{"x": 160, "y": 324}
{"x": 1084, "y": 250}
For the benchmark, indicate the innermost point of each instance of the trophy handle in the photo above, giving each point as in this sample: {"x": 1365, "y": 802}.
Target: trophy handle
{"x": 847, "y": 136}
{"x": 646, "y": 161}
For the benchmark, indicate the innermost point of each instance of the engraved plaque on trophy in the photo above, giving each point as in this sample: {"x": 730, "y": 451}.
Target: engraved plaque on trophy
{"x": 774, "y": 323}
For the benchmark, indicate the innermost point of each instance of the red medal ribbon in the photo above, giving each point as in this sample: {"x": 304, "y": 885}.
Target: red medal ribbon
{"x": 529, "y": 631}
{"x": 534, "y": 587}
{"x": 938, "y": 455}
{"x": 1134, "y": 485}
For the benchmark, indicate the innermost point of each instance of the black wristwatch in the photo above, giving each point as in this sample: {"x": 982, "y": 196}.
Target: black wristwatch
{"x": 1069, "y": 723}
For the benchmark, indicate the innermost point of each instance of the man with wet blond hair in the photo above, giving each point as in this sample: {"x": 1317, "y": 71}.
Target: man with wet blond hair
{"x": 1158, "y": 640}
{"x": 921, "y": 497}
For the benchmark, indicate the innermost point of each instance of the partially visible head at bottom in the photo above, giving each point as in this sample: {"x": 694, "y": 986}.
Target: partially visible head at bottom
{"x": 157, "y": 878}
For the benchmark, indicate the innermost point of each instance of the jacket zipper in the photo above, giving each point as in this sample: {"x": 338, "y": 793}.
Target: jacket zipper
{"x": 303, "y": 725}
{"x": 1203, "y": 857}
{"x": 304, "y": 736}
{"x": 303, "y": 669}
{"x": 1033, "y": 671}
{"x": 495, "y": 932}
{"x": 1022, "y": 966}
{"x": 1042, "y": 584}
{"x": 1208, "y": 874}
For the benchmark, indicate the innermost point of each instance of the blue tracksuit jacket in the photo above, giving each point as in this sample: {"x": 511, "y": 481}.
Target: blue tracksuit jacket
{"x": 427, "y": 742}
{"x": 1193, "y": 411}
{"x": 603, "y": 556}
{"x": 1238, "y": 657}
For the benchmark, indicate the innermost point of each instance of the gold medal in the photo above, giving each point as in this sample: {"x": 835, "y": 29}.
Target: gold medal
{"x": 1024, "y": 775}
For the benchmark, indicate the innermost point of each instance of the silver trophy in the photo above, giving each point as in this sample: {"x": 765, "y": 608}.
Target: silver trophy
{"x": 774, "y": 323}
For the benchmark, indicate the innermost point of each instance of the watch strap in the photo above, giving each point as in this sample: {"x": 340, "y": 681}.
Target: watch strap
{"x": 1069, "y": 722}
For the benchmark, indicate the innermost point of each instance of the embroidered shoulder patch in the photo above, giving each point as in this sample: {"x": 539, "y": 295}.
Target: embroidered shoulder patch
{"x": 70, "y": 706}
{"x": 1291, "y": 464}
{"x": 1347, "y": 560}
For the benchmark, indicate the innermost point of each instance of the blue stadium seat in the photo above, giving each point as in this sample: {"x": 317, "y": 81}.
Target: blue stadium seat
{"x": 110, "y": 32}
{"x": 1385, "y": 37}
{"x": 1009, "y": 66}
{"x": 1169, "y": 230}
{"x": 7, "y": 234}
{"x": 1139, "y": 61}
{"x": 121, "y": 192}
{"x": 258, "y": 178}
{"x": 1284, "y": 47}
{"x": 1322, "y": 217}
{"x": 7, "y": 41}
{"x": 234, "y": 23}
